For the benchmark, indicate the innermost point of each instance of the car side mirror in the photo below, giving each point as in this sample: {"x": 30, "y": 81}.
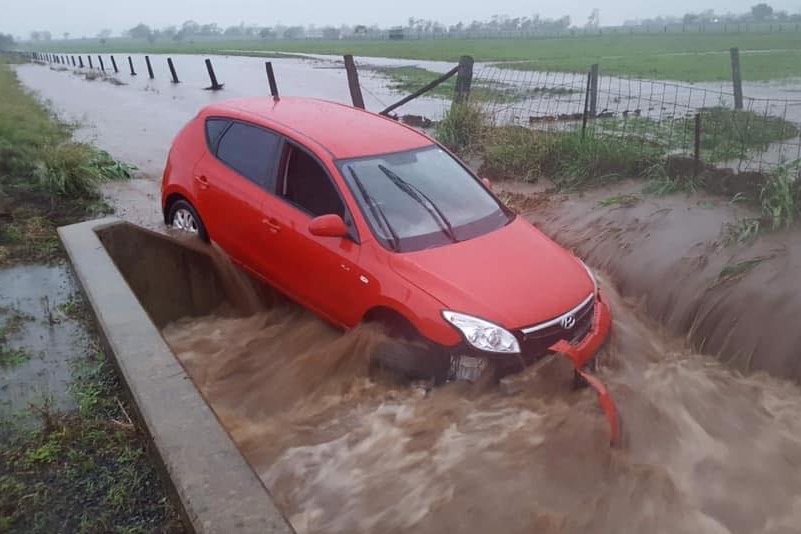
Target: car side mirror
{"x": 487, "y": 182}
{"x": 330, "y": 225}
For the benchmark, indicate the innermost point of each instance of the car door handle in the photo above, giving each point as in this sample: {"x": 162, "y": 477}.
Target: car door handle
{"x": 272, "y": 224}
{"x": 203, "y": 181}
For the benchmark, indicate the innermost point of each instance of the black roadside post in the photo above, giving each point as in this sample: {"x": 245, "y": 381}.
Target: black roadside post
{"x": 90, "y": 62}
{"x": 271, "y": 79}
{"x": 80, "y": 61}
{"x": 149, "y": 67}
{"x": 130, "y": 64}
{"x": 73, "y": 60}
{"x": 102, "y": 66}
{"x": 172, "y": 70}
{"x": 114, "y": 64}
{"x": 215, "y": 85}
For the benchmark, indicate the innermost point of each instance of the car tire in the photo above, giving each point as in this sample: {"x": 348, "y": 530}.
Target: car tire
{"x": 410, "y": 360}
{"x": 184, "y": 218}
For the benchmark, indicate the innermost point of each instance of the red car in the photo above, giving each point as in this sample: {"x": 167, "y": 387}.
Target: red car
{"x": 360, "y": 218}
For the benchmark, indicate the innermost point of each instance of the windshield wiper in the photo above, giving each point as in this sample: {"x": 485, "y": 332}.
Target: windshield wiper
{"x": 377, "y": 212}
{"x": 424, "y": 201}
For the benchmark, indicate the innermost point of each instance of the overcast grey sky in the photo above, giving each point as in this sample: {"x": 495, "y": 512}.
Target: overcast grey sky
{"x": 87, "y": 17}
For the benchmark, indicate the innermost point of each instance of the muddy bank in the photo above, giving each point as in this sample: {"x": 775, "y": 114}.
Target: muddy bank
{"x": 679, "y": 258}
{"x": 341, "y": 452}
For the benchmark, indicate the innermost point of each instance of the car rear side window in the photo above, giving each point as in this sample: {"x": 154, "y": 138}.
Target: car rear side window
{"x": 214, "y": 127}
{"x": 251, "y": 151}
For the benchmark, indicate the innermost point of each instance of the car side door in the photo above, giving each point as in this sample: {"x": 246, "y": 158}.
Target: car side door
{"x": 322, "y": 273}
{"x": 232, "y": 180}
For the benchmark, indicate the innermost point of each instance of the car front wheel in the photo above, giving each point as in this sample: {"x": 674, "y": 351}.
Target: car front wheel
{"x": 183, "y": 217}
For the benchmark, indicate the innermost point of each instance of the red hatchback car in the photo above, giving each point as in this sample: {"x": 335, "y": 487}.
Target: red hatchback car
{"x": 360, "y": 218}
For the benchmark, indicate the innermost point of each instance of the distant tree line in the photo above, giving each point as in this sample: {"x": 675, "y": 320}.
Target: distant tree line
{"x": 6, "y": 41}
{"x": 190, "y": 29}
{"x": 758, "y": 13}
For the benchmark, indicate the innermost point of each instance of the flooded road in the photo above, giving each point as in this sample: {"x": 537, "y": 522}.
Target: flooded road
{"x": 707, "y": 450}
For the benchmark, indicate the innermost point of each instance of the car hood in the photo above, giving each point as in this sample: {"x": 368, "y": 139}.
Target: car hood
{"x": 514, "y": 276}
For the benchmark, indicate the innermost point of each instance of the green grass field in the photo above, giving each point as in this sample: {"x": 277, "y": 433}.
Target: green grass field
{"x": 671, "y": 56}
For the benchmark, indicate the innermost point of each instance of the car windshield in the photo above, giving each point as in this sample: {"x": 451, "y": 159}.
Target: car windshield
{"x": 421, "y": 199}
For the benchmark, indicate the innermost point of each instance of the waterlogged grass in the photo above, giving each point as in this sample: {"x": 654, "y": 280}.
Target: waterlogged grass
{"x": 726, "y": 134}
{"x": 86, "y": 471}
{"x": 11, "y": 324}
{"x": 672, "y": 56}
{"x": 46, "y": 179}
{"x": 408, "y": 79}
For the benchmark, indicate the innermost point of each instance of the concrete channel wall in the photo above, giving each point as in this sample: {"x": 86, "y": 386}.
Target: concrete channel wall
{"x": 136, "y": 281}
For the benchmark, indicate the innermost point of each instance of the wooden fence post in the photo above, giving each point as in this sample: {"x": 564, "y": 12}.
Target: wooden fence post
{"x": 130, "y": 64}
{"x": 736, "y": 78}
{"x": 594, "y": 74}
{"x": 353, "y": 82}
{"x": 149, "y": 67}
{"x": 464, "y": 80}
{"x": 114, "y": 64}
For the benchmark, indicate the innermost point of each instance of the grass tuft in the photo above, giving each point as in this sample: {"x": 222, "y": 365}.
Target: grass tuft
{"x": 462, "y": 128}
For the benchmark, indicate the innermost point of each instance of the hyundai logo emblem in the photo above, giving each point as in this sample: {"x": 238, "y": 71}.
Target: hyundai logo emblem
{"x": 568, "y": 322}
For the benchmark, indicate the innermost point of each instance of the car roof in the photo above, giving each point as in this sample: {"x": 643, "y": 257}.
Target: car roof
{"x": 344, "y": 131}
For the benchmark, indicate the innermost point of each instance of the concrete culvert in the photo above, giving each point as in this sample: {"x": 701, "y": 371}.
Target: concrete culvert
{"x": 341, "y": 452}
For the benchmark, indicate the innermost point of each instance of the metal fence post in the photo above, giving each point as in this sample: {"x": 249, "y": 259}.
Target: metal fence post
{"x": 353, "y": 82}
{"x": 80, "y": 61}
{"x": 697, "y": 152}
{"x": 586, "y": 113}
{"x": 114, "y": 64}
{"x": 149, "y": 67}
{"x": 102, "y": 66}
{"x": 736, "y": 78}
{"x": 90, "y": 62}
{"x": 130, "y": 64}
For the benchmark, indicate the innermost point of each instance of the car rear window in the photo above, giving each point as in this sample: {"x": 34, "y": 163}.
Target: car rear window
{"x": 251, "y": 151}
{"x": 214, "y": 127}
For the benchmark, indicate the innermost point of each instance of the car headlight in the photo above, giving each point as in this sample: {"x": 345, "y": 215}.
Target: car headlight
{"x": 482, "y": 334}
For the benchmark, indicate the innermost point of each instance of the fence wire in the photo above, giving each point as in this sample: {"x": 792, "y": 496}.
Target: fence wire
{"x": 656, "y": 117}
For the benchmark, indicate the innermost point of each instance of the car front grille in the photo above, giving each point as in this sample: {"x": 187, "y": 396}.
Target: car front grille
{"x": 536, "y": 339}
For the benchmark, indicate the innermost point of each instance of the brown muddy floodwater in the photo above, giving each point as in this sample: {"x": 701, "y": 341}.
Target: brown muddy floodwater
{"x": 708, "y": 450}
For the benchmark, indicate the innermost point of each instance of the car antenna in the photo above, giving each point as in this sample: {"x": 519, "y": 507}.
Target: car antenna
{"x": 271, "y": 79}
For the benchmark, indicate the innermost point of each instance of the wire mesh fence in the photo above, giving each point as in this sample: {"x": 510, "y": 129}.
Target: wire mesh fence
{"x": 656, "y": 117}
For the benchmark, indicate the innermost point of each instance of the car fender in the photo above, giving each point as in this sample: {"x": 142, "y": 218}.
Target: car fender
{"x": 424, "y": 313}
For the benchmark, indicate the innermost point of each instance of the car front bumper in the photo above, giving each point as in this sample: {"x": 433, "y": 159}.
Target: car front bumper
{"x": 467, "y": 361}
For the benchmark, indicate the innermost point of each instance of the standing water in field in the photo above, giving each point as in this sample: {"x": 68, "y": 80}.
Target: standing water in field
{"x": 707, "y": 450}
